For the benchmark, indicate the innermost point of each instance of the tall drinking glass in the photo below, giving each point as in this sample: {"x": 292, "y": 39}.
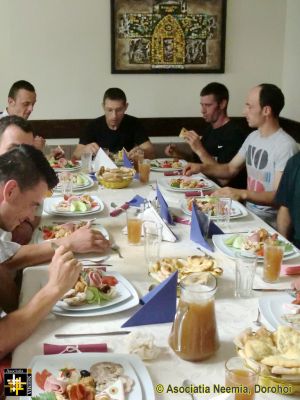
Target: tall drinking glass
{"x": 244, "y": 274}
{"x": 273, "y": 255}
{"x": 152, "y": 241}
{"x": 134, "y": 225}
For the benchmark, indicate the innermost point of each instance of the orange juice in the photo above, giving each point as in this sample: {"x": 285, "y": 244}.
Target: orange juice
{"x": 272, "y": 262}
{"x": 134, "y": 229}
{"x": 195, "y": 336}
{"x": 244, "y": 380}
{"x": 144, "y": 171}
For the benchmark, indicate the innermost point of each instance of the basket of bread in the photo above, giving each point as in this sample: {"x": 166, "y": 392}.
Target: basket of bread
{"x": 278, "y": 354}
{"x": 115, "y": 178}
{"x": 164, "y": 267}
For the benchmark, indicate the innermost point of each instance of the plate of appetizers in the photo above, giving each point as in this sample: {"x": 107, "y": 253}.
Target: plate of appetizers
{"x": 94, "y": 289}
{"x": 210, "y": 203}
{"x": 73, "y": 205}
{"x": 80, "y": 181}
{"x": 185, "y": 184}
{"x": 167, "y": 164}
{"x": 59, "y": 230}
{"x": 250, "y": 244}
{"x": 118, "y": 376}
{"x": 63, "y": 164}
{"x": 128, "y": 295}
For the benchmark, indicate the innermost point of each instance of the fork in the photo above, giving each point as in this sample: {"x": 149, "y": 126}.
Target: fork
{"x": 116, "y": 248}
{"x": 257, "y": 321}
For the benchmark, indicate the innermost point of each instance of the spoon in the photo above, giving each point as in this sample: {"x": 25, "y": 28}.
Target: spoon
{"x": 187, "y": 383}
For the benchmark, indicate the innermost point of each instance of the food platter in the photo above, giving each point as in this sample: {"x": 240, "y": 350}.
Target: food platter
{"x": 70, "y": 166}
{"x": 195, "y": 183}
{"x": 219, "y": 243}
{"x": 122, "y": 293}
{"x": 237, "y": 209}
{"x": 271, "y": 308}
{"x": 133, "y": 368}
{"x": 167, "y": 164}
{"x": 84, "y": 182}
{"x": 51, "y": 205}
{"x": 129, "y": 302}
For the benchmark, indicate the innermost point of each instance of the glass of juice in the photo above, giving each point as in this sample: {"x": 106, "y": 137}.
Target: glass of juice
{"x": 134, "y": 225}
{"x": 144, "y": 170}
{"x": 241, "y": 378}
{"x": 273, "y": 255}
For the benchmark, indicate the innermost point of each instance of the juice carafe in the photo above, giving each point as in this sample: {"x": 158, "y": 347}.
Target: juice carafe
{"x": 194, "y": 334}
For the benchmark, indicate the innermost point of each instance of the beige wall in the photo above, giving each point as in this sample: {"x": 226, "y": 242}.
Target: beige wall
{"x": 63, "y": 48}
{"x": 291, "y": 65}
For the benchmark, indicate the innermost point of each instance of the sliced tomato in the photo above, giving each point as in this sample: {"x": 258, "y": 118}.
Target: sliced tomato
{"x": 260, "y": 252}
{"x": 40, "y": 378}
{"x": 167, "y": 165}
{"x": 109, "y": 280}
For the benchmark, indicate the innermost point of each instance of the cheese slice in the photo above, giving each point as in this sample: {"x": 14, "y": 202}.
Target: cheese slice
{"x": 114, "y": 391}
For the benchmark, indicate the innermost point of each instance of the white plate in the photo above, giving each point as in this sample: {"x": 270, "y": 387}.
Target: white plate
{"x": 86, "y": 185}
{"x": 218, "y": 241}
{"x": 237, "y": 209}
{"x": 70, "y": 169}
{"x": 133, "y": 367}
{"x": 271, "y": 308}
{"x": 51, "y": 202}
{"x": 123, "y": 294}
{"x": 130, "y": 302}
{"x": 166, "y": 184}
{"x": 38, "y": 235}
{"x": 159, "y": 169}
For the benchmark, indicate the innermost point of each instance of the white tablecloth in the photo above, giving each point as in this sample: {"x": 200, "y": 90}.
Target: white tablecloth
{"x": 233, "y": 315}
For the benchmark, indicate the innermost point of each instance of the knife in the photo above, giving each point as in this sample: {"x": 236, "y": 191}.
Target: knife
{"x": 276, "y": 290}
{"x": 112, "y": 333}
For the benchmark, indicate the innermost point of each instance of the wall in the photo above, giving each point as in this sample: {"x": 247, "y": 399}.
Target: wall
{"x": 291, "y": 64}
{"x": 63, "y": 48}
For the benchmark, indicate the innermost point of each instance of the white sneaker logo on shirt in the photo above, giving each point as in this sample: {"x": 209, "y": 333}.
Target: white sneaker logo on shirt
{"x": 220, "y": 147}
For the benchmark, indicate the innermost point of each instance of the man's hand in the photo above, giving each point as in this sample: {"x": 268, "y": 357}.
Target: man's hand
{"x": 39, "y": 143}
{"x": 22, "y": 234}
{"x": 192, "y": 168}
{"x": 194, "y": 140}
{"x": 135, "y": 151}
{"x": 234, "y": 194}
{"x": 91, "y": 148}
{"x": 63, "y": 270}
{"x": 86, "y": 240}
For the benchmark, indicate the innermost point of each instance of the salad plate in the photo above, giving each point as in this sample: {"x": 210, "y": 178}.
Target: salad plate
{"x": 184, "y": 184}
{"x": 225, "y": 244}
{"x": 237, "y": 209}
{"x": 127, "y": 303}
{"x": 67, "y": 165}
{"x": 167, "y": 164}
{"x": 60, "y": 206}
{"x": 129, "y": 366}
{"x": 80, "y": 181}
{"x": 122, "y": 293}
{"x": 272, "y": 310}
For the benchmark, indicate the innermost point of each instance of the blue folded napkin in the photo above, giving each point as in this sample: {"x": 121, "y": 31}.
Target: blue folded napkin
{"x": 158, "y": 306}
{"x": 126, "y": 161}
{"x": 136, "y": 201}
{"x": 164, "y": 208}
{"x": 199, "y": 225}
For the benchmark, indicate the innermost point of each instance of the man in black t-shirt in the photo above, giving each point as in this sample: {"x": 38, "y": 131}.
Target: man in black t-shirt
{"x": 222, "y": 138}
{"x": 115, "y": 130}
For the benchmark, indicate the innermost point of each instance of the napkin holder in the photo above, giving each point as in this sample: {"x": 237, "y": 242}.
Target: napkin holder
{"x": 150, "y": 214}
{"x": 158, "y": 306}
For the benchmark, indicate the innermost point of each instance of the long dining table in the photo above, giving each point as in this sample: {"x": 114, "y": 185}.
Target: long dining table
{"x": 233, "y": 314}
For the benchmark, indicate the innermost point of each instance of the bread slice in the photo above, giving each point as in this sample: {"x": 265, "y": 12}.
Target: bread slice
{"x": 183, "y": 132}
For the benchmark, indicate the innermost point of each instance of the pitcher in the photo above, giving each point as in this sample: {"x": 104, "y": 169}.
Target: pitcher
{"x": 194, "y": 334}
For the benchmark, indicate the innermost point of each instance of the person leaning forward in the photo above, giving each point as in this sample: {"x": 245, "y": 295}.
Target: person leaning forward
{"x": 115, "y": 130}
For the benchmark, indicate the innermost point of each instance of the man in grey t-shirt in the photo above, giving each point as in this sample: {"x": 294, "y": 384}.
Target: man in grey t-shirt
{"x": 265, "y": 153}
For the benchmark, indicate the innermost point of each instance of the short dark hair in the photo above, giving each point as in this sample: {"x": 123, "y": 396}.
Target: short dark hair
{"x": 217, "y": 89}
{"x": 22, "y": 123}
{"x": 114, "y": 94}
{"x": 27, "y": 166}
{"x": 270, "y": 95}
{"x": 20, "y": 85}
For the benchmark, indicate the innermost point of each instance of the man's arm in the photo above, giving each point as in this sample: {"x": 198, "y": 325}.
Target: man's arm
{"x": 87, "y": 148}
{"x": 83, "y": 240}
{"x": 262, "y": 198}
{"x": 284, "y": 222}
{"x": 216, "y": 170}
{"x": 18, "y": 325}
{"x": 148, "y": 149}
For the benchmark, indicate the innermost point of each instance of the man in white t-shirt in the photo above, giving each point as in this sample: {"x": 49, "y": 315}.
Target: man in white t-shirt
{"x": 20, "y": 102}
{"x": 265, "y": 153}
